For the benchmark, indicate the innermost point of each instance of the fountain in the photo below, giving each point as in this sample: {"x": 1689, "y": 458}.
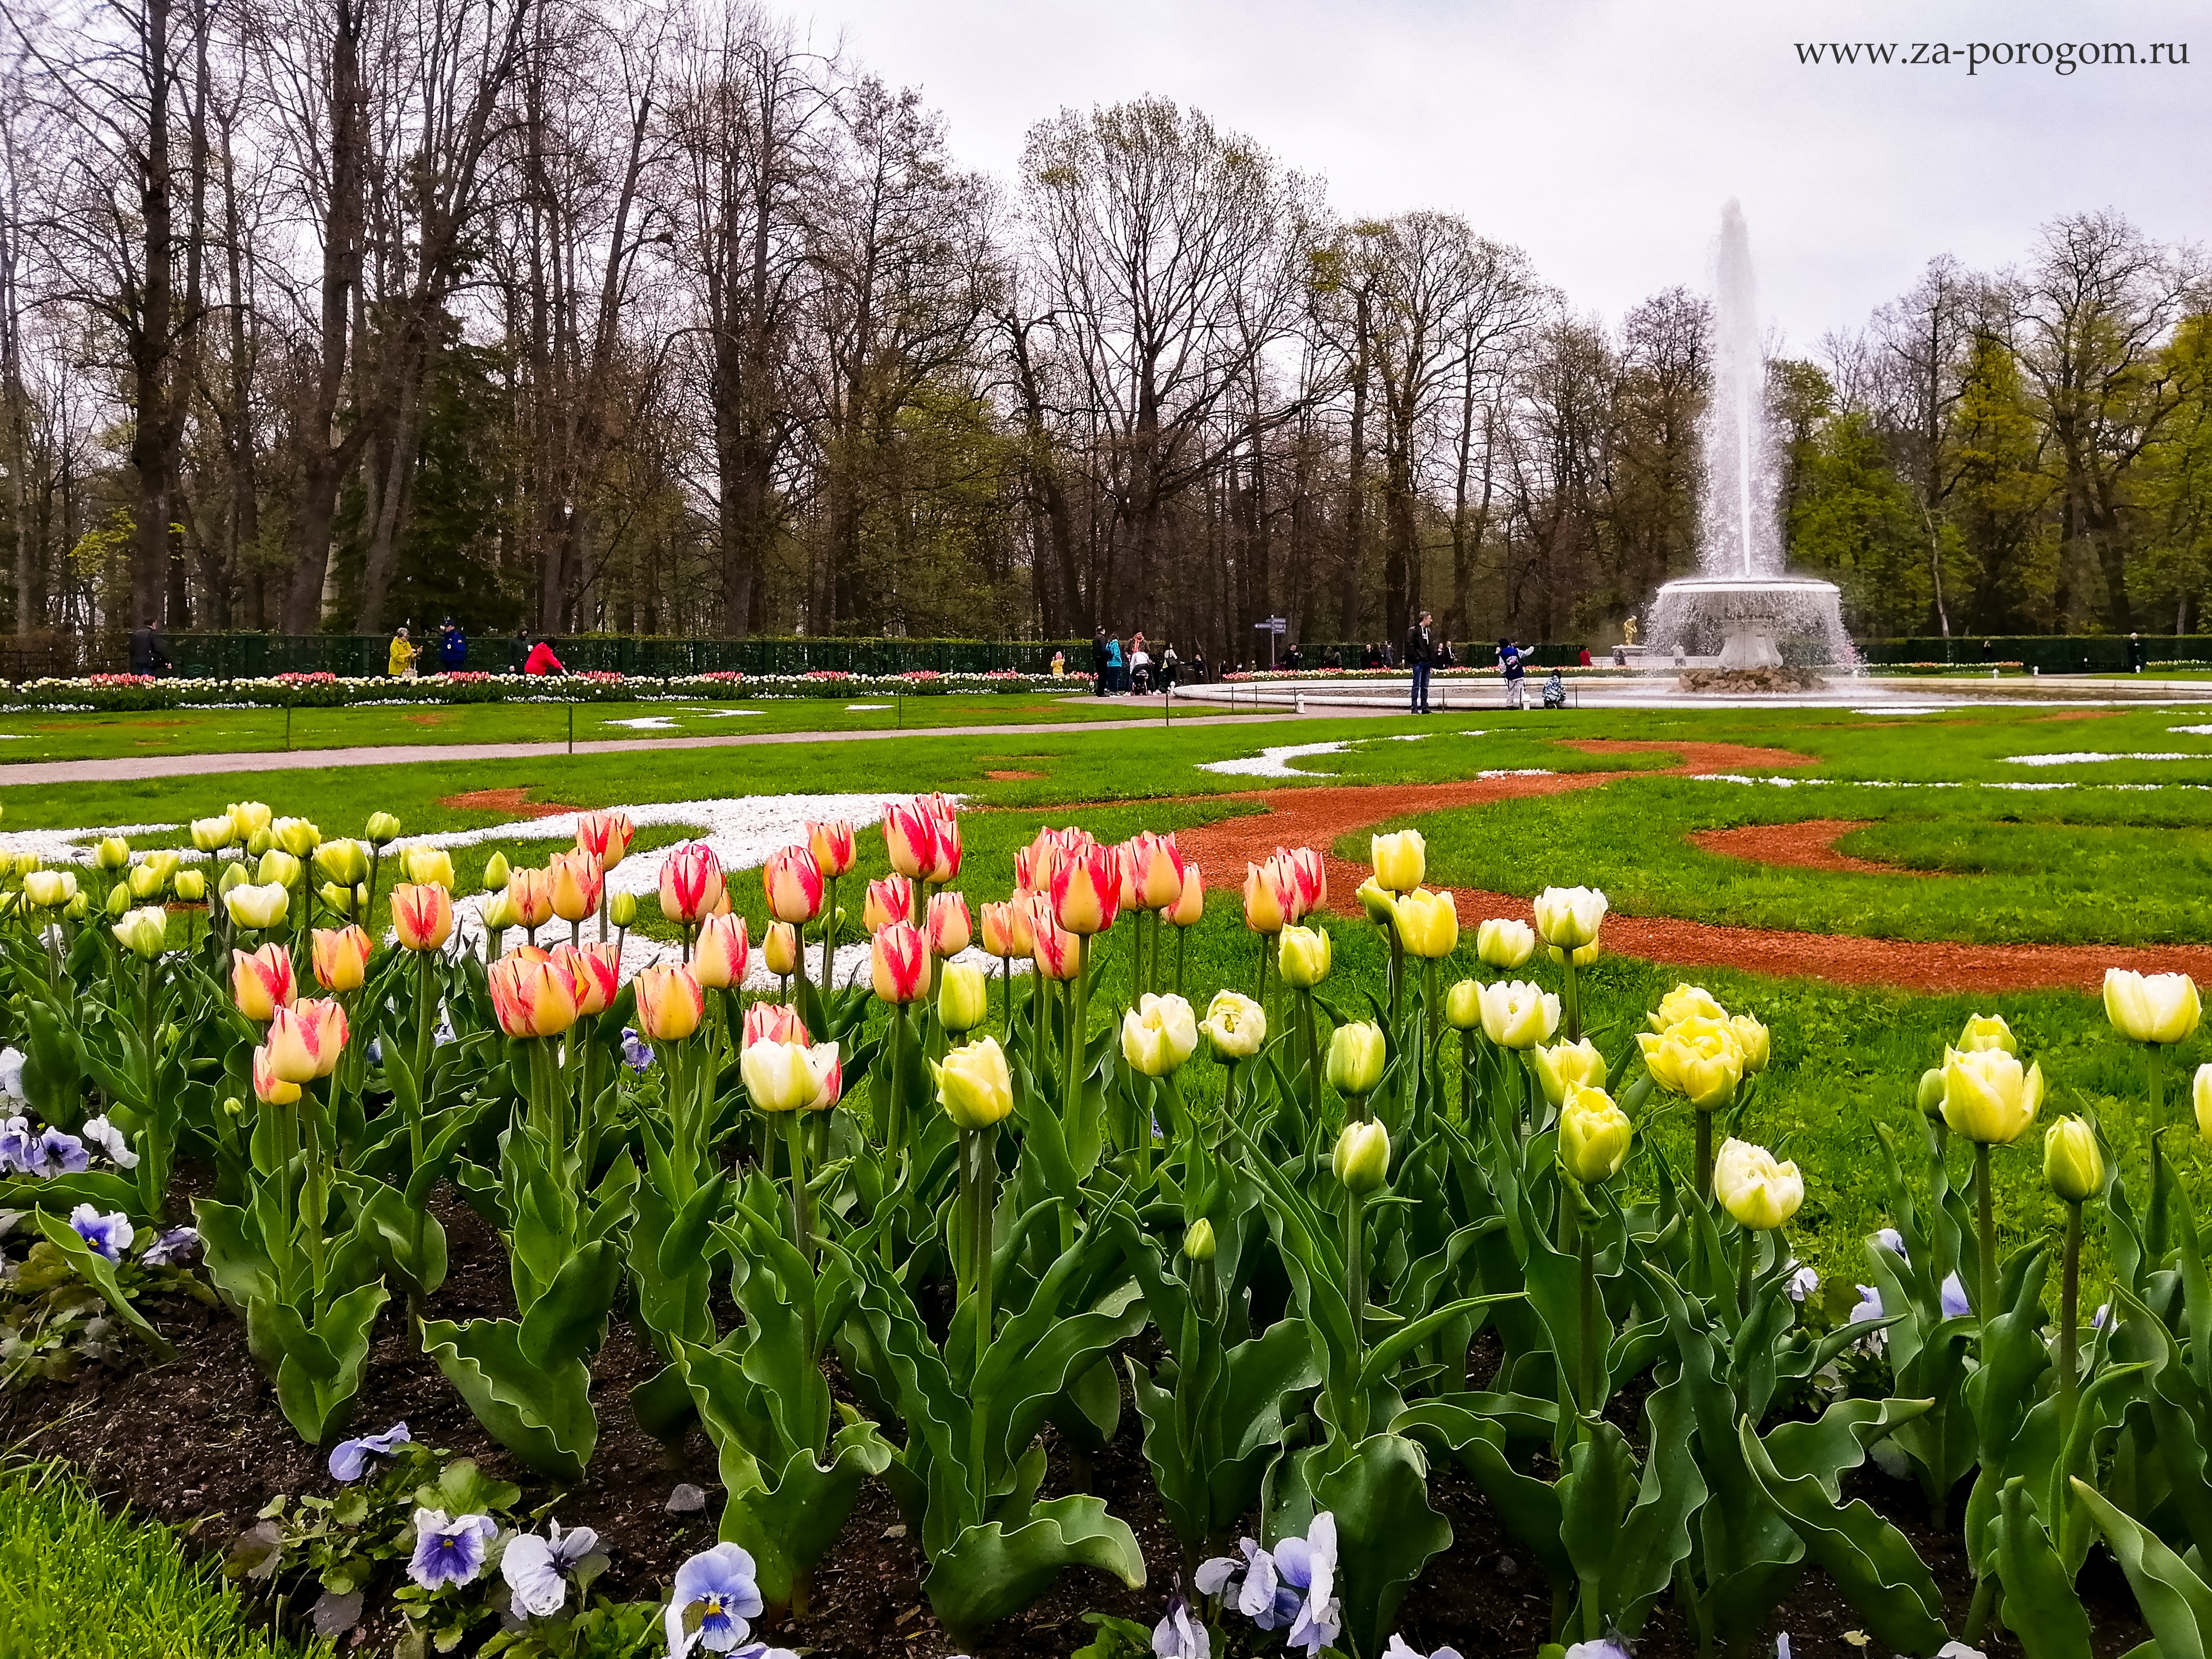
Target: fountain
{"x": 1741, "y": 614}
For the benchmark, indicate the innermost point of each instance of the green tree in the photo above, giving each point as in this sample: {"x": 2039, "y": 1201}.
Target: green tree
{"x": 1851, "y": 518}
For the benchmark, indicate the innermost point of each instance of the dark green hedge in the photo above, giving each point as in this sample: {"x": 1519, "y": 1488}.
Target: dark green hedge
{"x": 2049, "y": 653}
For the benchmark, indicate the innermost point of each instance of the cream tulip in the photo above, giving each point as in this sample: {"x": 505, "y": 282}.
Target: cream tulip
{"x": 1158, "y": 1035}
{"x": 1401, "y": 861}
{"x": 1567, "y": 1066}
{"x": 1503, "y": 944}
{"x": 1518, "y": 1015}
{"x": 1569, "y": 917}
{"x": 1697, "y": 1059}
{"x": 1235, "y": 1026}
{"x": 1758, "y": 1192}
{"x": 2151, "y": 1007}
{"x": 1594, "y": 1135}
{"x": 1987, "y": 1097}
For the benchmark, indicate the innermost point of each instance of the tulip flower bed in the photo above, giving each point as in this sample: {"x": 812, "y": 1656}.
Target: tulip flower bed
{"x": 1255, "y": 1322}
{"x": 123, "y": 692}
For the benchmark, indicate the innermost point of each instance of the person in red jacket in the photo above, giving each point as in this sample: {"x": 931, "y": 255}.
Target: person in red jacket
{"x": 542, "y": 660}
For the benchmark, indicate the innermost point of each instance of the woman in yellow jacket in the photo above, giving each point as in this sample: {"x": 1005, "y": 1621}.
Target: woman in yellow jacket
{"x": 403, "y": 657}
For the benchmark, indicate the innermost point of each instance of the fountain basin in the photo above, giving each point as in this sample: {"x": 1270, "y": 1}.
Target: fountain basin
{"x": 1750, "y": 621}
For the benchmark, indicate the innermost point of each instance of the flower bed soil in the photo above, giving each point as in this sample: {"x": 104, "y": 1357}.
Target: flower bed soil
{"x": 199, "y": 1442}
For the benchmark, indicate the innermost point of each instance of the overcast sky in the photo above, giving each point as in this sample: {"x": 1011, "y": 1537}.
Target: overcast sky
{"x": 1603, "y": 135}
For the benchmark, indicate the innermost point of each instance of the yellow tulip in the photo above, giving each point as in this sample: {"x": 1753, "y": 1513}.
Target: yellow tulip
{"x": 1700, "y": 1059}
{"x": 1355, "y": 1056}
{"x": 1594, "y": 1135}
{"x": 1987, "y": 1097}
{"x": 1158, "y": 1035}
{"x": 2151, "y": 1007}
{"x": 1362, "y": 1159}
{"x": 248, "y": 818}
{"x": 1582, "y": 956}
{"x": 1567, "y": 1066}
{"x": 2072, "y": 1162}
{"x": 213, "y": 835}
{"x": 1759, "y": 1192}
{"x": 2201, "y": 1097}
{"x": 381, "y": 830}
{"x": 1234, "y": 1025}
{"x": 1518, "y": 1015}
{"x": 143, "y": 932}
{"x": 1401, "y": 861}
{"x": 279, "y": 868}
{"x": 50, "y": 889}
{"x": 780, "y": 949}
{"x": 112, "y": 853}
{"x": 341, "y": 957}
{"x": 190, "y": 887}
{"x": 1755, "y": 1041}
{"x": 429, "y": 866}
{"x": 963, "y": 996}
{"x": 295, "y": 835}
{"x": 345, "y": 862}
{"x": 1305, "y": 955}
{"x": 1568, "y": 917}
{"x": 1463, "y": 1006}
{"x": 1428, "y": 923}
{"x": 1504, "y": 944}
{"x": 670, "y": 1002}
{"x": 973, "y": 1086}
{"x": 1987, "y": 1031}
{"x": 1686, "y": 1002}
{"x": 1379, "y": 903}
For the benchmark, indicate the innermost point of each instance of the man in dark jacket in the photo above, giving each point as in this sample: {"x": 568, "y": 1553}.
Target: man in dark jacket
{"x": 148, "y": 655}
{"x": 1420, "y": 653}
{"x": 1101, "y": 680}
{"x": 453, "y": 648}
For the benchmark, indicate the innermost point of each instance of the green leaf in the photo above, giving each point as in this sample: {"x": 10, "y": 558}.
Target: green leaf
{"x": 1386, "y": 1532}
{"x": 97, "y": 1270}
{"x": 2040, "y": 1606}
{"x": 2175, "y": 1602}
{"x": 569, "y": 1321}
{"x": 321, "y": 1372}
{"x": 992, "y": 1572}
{"x": 542, "y": 1414}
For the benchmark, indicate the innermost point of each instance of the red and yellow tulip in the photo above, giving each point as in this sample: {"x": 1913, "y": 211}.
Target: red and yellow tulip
{"x": 341, "y": 956}
{"x": 670, "y": 1002}
{"x": 911, "y": 839}
{"x": 692, "y": 886}
{"x": 773, "y": 1022}
{"x": 306, "y": 1039}
{"x": 422, "y": 916}
{"x": 532, "y": 996}
{"x": 1086, "y": 891}
{"x": 793, "y": 882}
{"x": 947, "y": 924}
{"x": 720, "y": 953}
{"x": 596, "y": 968}
{"x": 888, "y": 900}
{"x": 261, "y": 982}
{"x": 899, "y": 968}
{"x": 529, "y": 897}
{"x": 832, "y": 843}
{"x": 574, "y": 882}
{"x": 605, "y": 836}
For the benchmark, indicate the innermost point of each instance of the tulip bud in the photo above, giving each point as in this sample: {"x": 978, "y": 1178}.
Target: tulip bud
{"x": 143, "y": 932}
{"x": 297, "y": 836}
{"x": 1427, "y": 924}
{"x": 1270, "y": 901}
{"x": 277, "y": 868}
{"x": 1517, "y": 1014}
{"x": 832, "y": 845}
{"x": 190, "y": 887}
{"x": 622, "y": 909}
{"x": 213, "y": 835}
{"x": 2201, "y": 1097}
{"x": 145, "y": 882}
{"x": 1568, "y": 917}
{"x": 1086, "y": 891}
{"x": 780, "y": 949}
{"x": 306, "y": 1039}
{"x": 670, "y": 1003}
{"x": 1158, "y": 1035}
{"x": 1190, "y": 904}
{"x": 963, "y": 998}
{"x": 719, "y": 955}
{"x": 1753, "y": 1039}
{"x": 1303, "y": 954}
{"x": 1930, "y": 1096}
{"x": 78, "y": 908}
{"x": 1362, "y": 1161}
{"x": 495, "y": 873}
{"x": 1757, "y": 1192}
{"x": 119, "y": 899}
{"x": 2151, "y": 1007}
{"x": 382, "y": 829}
{"x": 1987, "y": 1097}
{"x": 1378, "y": 904}
{"x": 1463, "y": 1004}
{"x": 341, "y": 958}
{"x": 1503, "y": 945}
{"x": 2072, "y": 1162}
{"x": 338, "y": 899}
{"x": 1355, "y": 1056}
{"x": 1401, "y": 861}
{"x": 234, "y": 875}
{"x": 910, "y": 840}
{"x": 270, "y": 1089}
{"x": 421, "y": 915}
{"x": 973, "y": 1086}
{"x": 112, "y": 853}
{"x": 692, "y": 884}
{"x": 1198, "y": 1240}
{"x": 1594, "y": 1135}
{"x": 1987, "y": 1031}
{"x": 1235, "y": 1026}
{"x": 429, "y": 866}
{"x": 50, "y": 889}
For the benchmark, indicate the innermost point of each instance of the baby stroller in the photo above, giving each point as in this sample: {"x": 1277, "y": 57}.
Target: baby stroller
{"x": 1555, "y": 691}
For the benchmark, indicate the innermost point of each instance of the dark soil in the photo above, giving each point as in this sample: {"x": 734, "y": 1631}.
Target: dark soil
{"x": 200, "y": 1442}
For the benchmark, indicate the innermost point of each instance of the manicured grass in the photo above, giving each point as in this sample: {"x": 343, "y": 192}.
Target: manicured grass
{"x": 40, "y": 736}
{"x": 78, "y": 1584}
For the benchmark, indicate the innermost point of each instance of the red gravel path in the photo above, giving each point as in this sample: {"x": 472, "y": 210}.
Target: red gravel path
{"x": 1808, "y": 845}
{"x": 1318, "y": 817}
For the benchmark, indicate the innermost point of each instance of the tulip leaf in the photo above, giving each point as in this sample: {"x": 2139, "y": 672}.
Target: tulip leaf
{"x": 2040, "y": 1605}
{"x": 991, "y": 1571}
{"x": 1386, "y": 1532}
{"x": 323, "y": 1360}
{"x": 541, "y": 1413}
{"x": 2175, "y": 1602}
{"x": 53, "y": 1066}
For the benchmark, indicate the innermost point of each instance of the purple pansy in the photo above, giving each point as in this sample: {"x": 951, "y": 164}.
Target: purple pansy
{"x": 1179, "y": 1636}
{"x": 1399, "y": 1649}
{"x": 537, "y": 1570}
{"x": 109, "y": 1138}
{"x": 55, "y": 1152}
{"x": 178, "y": 1244}
{"x": 109, "y": 1236}
{"x": 722, "y": 1584}
{"x": 449, "y": 1549}
{"x": 1955, "y": 1305}
{"x": 350, "y": 1458}
{"x": 1306, "y": 1568}
{"x": 637, "y": 1054}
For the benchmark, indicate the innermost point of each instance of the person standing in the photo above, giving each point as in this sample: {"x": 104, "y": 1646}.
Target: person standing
{"x": 1140, "y": 664}
{"x": 518, "y": 650}
{"x": 1517, "y": 682}
{"x": 401, "y": 663}
{"x": 1101, "y": 680}
{"x": 1114, "y": 685}
{"x": 1169, "y": 664}
{"x": 1421, "y": 655}
{"x": 453, "y": 648}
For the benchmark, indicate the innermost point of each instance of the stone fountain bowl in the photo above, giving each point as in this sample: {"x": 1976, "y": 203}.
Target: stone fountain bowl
{"x": 1751, "y": 621}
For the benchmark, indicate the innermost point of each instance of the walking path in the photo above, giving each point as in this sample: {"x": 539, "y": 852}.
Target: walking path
{"x": 123, "y": 768}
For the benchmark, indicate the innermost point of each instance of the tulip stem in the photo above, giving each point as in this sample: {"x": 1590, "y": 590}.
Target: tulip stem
{"x": 2069, "y": 1316}
{"x": 1182, "y": 943}
{"x": 1311, "y": 1035}
{"x": 1355, "y": 1271}
{"x": 1572, "y": 1004}
{"x": 2157, "y": 1090}
{"x": 1586, "y": 1254}
{"x": 1705, "y": 1156}
{"x": 1431, "y": 1006}
{"x": 1746, "y": 1252}
{"x": 1986, "y": 1218}
{"x": 425, "y": 1018}
{"x": 802, "y": 1218}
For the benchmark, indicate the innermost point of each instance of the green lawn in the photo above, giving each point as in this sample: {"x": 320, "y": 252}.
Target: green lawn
{"x": 41, "y": 736}
{"x": 78, "y": 1584}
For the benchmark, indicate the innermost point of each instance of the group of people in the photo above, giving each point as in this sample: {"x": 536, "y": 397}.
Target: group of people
{"x": 1135, "y": 669}
{"x": 524, "y": 656}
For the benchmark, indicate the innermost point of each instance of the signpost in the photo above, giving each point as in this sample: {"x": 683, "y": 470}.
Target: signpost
{"x": 1274, "y": 628}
